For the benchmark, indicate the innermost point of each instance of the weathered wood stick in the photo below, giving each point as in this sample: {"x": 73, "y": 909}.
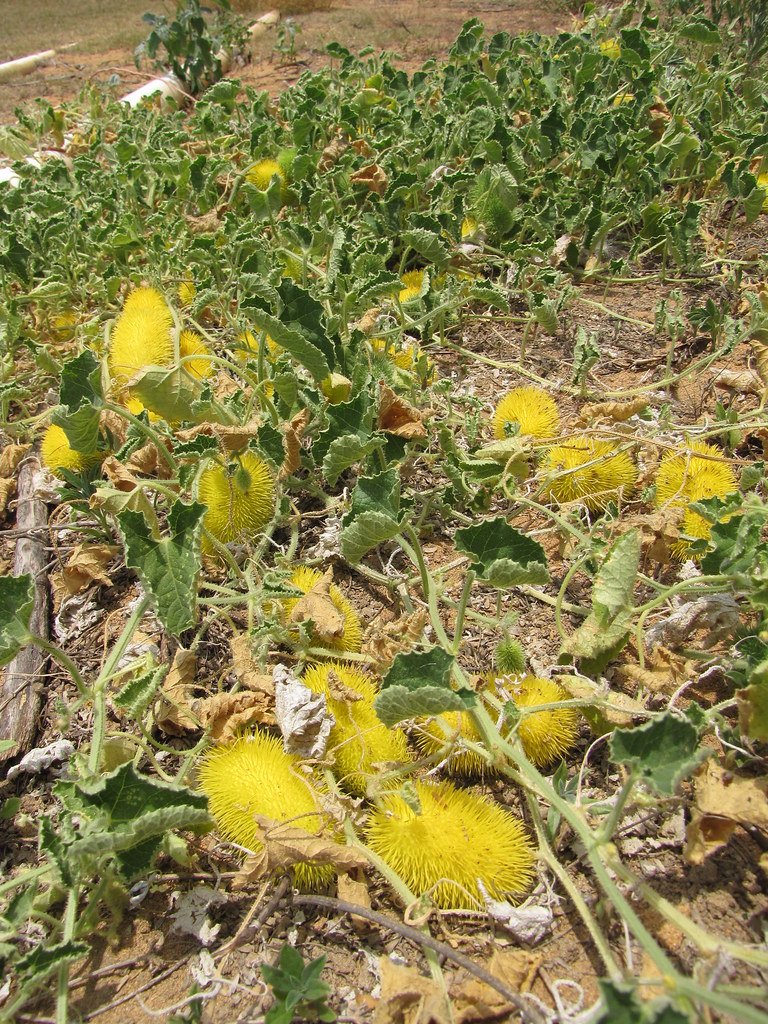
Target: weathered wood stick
{"x": 20, "y": 696}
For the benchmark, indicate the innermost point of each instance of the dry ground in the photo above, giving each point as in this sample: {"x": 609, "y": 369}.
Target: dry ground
{"x": 106, "y": 35}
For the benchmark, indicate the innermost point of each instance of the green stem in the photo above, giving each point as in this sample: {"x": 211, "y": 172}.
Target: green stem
{"x": 99, "y": 687}
{"x": 461, "y": 610}
{"x": 62, "y": 987}
{"x": 550, "y": 858}
{"x": 416, "y": 555}
{"x": 63, "y": 659}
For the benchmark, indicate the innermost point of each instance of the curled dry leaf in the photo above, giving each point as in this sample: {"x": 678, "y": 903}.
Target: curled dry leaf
{"x": 232, "y": 437}
{"x": 173, "y": 710}
{"x": 722, "y": 801}
{"x": 146, "y": 461}
{"x": 292, "y": 435}
{"x": 317, "y": 607}
{"x": 332, "y": 152}
{"x": 746, "y": 382}
{"x": 10, "y": 457}
{"x": 362, "y": 148}
{"x": 619, "y": 412}
{"x": 368, "y": 321}
{"x": 113, "y": 425}
{"x": 398, "y": 417}
{"x": 226, "y": 714}
{"x": 473, "y": 1000}
{"x": 664, "y": 672}
{"x": 283, "y": 845}
{"x": 246, "y": 668}
{"x": 121, "y": 478}
{"x": 354, "y": 891}
{"x": 86, "y": 565}
{"x": 407, "y": 997}
{"x": 339, "y": 690}
{"x": 659, "y": 531}
{"x": 7, "y": 491}
{"x": 303, "y": 716}
{"x": 383, "y": 642}
{"x": 372, "y": 177}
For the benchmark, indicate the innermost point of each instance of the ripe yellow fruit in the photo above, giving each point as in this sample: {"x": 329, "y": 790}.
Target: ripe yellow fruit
{"x": 187, "y": 291}
{"x": 544, "y": 735}
{"x": 689, "y": 475}
{"x": 458, "y": 840}
{"x": 412, "y": 282}
{"x": 240, "y": 498}
{"x": 262, "y": 172}
{"x": 531, "y": 409}
{"x": 141, "y": 336}
{"x": 359, "y": 743}
{"x": 254, "y": 775}
{"x": 57, "y": 453}
{"x": 191, "y": 344}
{"x": 588, "y": 470}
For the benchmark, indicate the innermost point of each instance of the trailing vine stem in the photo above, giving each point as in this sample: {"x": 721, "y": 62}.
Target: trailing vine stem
{"x": 510, "y": 760}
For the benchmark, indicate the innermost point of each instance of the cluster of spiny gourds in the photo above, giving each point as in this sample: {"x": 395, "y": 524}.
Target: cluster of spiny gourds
{"x": 596, "y": 471}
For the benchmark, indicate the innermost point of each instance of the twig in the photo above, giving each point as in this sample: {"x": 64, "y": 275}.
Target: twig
{"x": 132, "y": 995}
{"x": 253, "y": 923}
{"x": 527, "y": 1011}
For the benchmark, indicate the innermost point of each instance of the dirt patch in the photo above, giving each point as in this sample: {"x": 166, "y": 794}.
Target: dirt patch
{"x": 411, "y": 31}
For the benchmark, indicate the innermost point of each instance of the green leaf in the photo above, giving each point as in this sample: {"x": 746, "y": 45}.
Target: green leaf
{"x": 615, "y": 582}
{"x": 753, "y": 204}
{"x": 42, "y": 960}
{"x": 168, "y": 567}
{"x": 367, "y": 531}
{"x": 80, "y": 381}
{"x": 604, "y": 632}
{"x": 303, "y": 310}
{"x": 620, "y": 1004}
{"x": 169, "y": 393}
{"x": 293, "y": 341}
{"x": 701, "y": 31}
{"x": 17, "y": 599}
{"x": 134, "y": 697}
{"x": 505, "y": 557}
{"x": 379, "y": 493}
{"x": 347, "y": 450}
{"x": 418, "y": 684}
{"x": 661, "y": 752}
{"x": 427, "y": 244}
{"x": 52, "y": 845}
{"x": 131, "y": 814}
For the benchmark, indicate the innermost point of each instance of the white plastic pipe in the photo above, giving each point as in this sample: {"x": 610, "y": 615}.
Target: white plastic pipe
{"x": 24, "y": 65}
{"x": 262, "y": 25}
{"x": 169, "y": 88}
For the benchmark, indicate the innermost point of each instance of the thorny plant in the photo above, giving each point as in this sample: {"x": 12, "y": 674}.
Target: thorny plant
{"x": 326, "y": 259}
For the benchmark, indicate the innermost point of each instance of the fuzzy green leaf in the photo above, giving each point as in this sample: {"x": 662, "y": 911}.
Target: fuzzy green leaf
{"x": 169, "y": 393}
{"x": 168, "y": 567}
{"x": 368, "y": 529}
{"x": 505, "y": 557}
{"x": 661, "y": 752}
{"x": 43, "y": 960}
{"x": 427, "y": 244}
{"x": 292, "y": 340}
{"x": 419, "y": 683}
{"x": 17, "y": 599}
{"x": 347, "y": 450}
